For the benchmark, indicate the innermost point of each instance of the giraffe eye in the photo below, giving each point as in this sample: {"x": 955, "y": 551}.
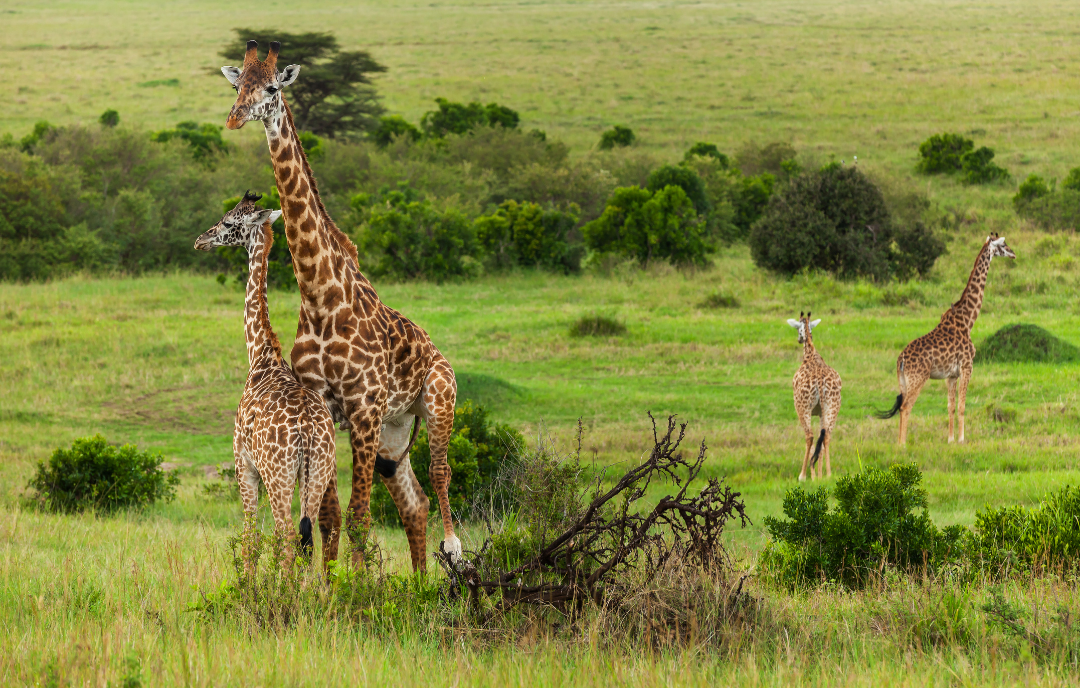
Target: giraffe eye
{"x": 271, "y": 90}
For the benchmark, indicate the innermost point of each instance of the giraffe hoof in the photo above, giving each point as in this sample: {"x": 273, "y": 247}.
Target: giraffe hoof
{"x": 802, "y": 478}
{"x": 452, "y": 546}
{"x": 950, "y": 440}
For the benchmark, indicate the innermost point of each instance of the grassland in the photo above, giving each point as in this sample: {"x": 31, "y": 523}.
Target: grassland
{"x": 159, "y": 360}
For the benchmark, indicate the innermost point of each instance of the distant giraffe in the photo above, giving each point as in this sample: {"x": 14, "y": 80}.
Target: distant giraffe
{"x": 946, "y": 353}
{"x": 283, "y": 433}
{"x": 379, "y": 372}
{"x": 816, "y": 389}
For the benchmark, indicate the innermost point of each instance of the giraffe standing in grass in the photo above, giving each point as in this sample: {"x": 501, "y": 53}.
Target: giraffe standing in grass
{"x": 378, "y": 371}
{"x": 284, "y": 433}
{"x": 946, "y": 353}
{"x": 816, "y": 388}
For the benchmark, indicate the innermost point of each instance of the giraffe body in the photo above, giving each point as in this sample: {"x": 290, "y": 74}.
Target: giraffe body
{"x": 816, "y": 390}
{"x": 284, "y": 433}
{"x": 947, "y": 352}
{"x": 377, "y": 370}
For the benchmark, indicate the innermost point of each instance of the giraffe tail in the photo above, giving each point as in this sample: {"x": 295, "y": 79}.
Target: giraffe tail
{"x": 307, "y": 541}
{"x": 885, "y": 415}
{"x": 817, "y": 450}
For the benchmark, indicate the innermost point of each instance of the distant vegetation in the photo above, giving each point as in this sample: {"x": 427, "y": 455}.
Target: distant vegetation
{"x": 954, "y": 154}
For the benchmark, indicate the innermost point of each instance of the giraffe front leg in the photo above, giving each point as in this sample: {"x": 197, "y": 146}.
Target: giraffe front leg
{"x": 965, "y": 378}
{"x": 247, "y": 478}
{"x": 364, "y": 438}
{"x": 951, "y": 384}
{"x": 439, "y": 396}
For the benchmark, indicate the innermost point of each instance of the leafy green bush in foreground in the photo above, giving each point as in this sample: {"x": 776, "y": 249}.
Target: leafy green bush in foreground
{"x": 96, "y": 475}
{"x": 1016, "y": 538}
{"x": 880, "y": 521}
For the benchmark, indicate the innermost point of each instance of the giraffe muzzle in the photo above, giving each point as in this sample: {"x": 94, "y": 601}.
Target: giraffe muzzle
{"x": 237, "y": 118}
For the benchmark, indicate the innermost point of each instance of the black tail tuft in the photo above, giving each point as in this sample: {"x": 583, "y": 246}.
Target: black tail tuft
{"x": 885, "y": 415}
{"x": 817, "y": 450}
{"x": 385, "y": 467}
{"x": 307, "y": 543}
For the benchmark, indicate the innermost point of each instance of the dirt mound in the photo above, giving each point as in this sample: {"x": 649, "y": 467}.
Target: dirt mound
{"x": 1025, "y": 343}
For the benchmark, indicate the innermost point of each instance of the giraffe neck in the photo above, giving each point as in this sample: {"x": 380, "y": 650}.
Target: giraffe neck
{"x": 321, "y": 253}
{"x": 262, "y": 344}
{"x": 808, "y": 351}
{"x": 965, "y": 311}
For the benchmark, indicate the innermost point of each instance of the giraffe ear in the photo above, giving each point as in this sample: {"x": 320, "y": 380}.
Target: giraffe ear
{"x": 262, "y": 216}
{"x": 274, "y": 216}
{"x": 793, "y": 323}
{"x": 231, "y": 73}
{"x": 289, "y": 75}
{"x": 814, "y": 323}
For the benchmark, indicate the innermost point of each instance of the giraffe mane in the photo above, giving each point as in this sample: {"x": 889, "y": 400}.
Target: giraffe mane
{"x": 344, "y": 242}
{"x": 264, "y": 310}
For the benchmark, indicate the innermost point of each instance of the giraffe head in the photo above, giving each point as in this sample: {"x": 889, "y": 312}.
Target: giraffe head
{"x": 998, "y": 247}
{"x": 258, "y": 85}
{"x": 241, "y": 226}
{"x": 804, "y": 326}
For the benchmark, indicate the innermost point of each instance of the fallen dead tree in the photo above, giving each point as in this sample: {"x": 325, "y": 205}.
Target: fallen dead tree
{"x": 592, "y": 551}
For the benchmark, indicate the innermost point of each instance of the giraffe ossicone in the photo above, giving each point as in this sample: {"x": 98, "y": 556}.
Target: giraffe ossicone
{"x": 283, "y": 433}
{"x": 947, "y": 352}
{"x": 377, "y": 370}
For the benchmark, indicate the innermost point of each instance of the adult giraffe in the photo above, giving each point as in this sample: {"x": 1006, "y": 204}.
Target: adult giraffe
{"x": 946, "y": 352}
{"x": 378, "y": 371}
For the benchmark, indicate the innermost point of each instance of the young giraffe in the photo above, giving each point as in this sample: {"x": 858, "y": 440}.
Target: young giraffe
{"x": 816, "y": 389}
{"x": 946, "y": 353}
{"x": 378, "y": 371}
{"x": 283, "y": 432}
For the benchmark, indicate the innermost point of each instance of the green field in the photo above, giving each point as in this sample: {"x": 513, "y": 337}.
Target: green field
{"x": 159, "y": 360}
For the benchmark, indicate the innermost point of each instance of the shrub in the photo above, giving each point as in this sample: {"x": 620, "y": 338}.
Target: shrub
{"x": 707, "y": 150}
{"x": 41, "y": 131}
{"x": 405, "y": 238}
{"x": 720, "y": 300}
{"x": 476, "y": 453}
{"x": 836, "y": 219}
{"x": 616, "y": 137}
{"x": 525, "y": 234}
{"x": 647, "y": 226}
{"x": 582, "y": 184}
{"x": 874, "y": 525}
{"x": 394, "y": 127}
{"x": 754, "y": 160}
{"x": 943, "y": 154}
{"x": 597, "y": 326}
{"x": 204, "y": 139}
{"x": 1031, "y": 188}
{"x": 752, "y": 197}
{"x": 1054, "y": 211}
{"x": 457, "y": 118}
{"x": 1025, "y": 344}
{"x": 1072, "y": 180}
{"x": 1016, "y": 538}
{"x": 92, "y": 474}
{"x": 978, "y": 168}
{"x": 109, "y": 118}
{"x": 684, "y": 178}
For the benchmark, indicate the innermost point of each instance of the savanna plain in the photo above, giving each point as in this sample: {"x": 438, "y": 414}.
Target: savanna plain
{"x": 158, "y": 360}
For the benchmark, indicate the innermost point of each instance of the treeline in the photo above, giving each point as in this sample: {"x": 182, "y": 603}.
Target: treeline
{"x": 466, "y": 192}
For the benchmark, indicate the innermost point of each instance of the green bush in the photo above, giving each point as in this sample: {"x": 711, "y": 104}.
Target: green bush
{"x": 1031, "y": 188}
{"x": 1072, "y": 180}
{"x": 837, "y": 220}
{"x": 876, "y": 524}
{"x": 646, "y": 226}
{"x": 754, "y": 160}
{"x": 109, "y": 118}
{"x": 476, "y": 453}
{"x": 707, "y": 150}
{"x": 525, "y": 234}
{"x": 1056, "y": 211}
{"x": 616, "y": 137}
{"x": 943, "y": 154}
{"x": 978, "y": 167}
{"x": 1018, "y": 539}
{"x": 204, "y": 139}
{"x": 751, "y": 200}
{"x": 684, "y": 178}
{"x": 403, "y": 237}
{"x": 394, "y": 127}
{"x": 95, "y": 475}
{"x": 457, "y": 118}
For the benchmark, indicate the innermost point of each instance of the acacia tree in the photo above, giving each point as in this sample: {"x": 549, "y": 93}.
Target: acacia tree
{"x": 334, "y": 97}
